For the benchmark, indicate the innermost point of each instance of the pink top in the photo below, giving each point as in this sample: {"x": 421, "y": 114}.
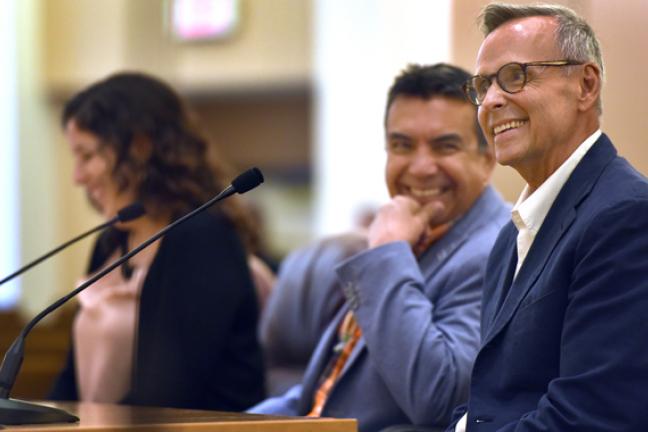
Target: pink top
{"x": 104, "y": 333}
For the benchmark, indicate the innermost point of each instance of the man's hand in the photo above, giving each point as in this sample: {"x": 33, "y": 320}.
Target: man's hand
{"x": 403, "y": 218}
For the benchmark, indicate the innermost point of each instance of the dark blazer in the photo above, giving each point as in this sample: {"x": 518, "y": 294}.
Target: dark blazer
{"x": 196, "y": 343}
{"x": 564, "y": 347}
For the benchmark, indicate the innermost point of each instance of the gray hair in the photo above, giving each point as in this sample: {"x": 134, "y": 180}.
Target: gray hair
{"x": 575, "y": 38}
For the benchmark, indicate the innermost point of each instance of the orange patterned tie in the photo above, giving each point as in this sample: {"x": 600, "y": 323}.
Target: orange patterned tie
{"x": 349, "y": 333}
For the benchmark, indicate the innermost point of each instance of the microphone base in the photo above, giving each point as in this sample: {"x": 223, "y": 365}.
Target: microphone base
{"x": 16, "y": 412}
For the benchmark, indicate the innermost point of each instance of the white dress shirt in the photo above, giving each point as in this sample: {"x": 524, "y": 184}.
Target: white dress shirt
{"x": 530, "y": 211}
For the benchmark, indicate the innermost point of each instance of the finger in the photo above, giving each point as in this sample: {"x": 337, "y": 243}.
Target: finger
{"x": 432, "y": 211}
{"x": 407, "y": 202}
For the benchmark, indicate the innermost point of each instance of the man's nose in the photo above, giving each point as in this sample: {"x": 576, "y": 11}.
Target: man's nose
{"x": 495, "y": 97}
{"x": 424, "y": 162}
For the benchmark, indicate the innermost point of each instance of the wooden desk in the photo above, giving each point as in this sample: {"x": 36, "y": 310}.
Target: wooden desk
{"x": 104, "y": 417}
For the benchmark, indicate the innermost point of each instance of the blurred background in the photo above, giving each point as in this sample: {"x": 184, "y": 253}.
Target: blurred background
{"x": 295, "y": 87}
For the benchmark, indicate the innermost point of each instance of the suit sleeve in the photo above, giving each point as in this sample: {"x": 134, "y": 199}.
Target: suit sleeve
{"x": 286, "y": 404}
{"x": 423, "y": 348}
{"x": 305, "y": 299}
{"x": 604, "y": 355}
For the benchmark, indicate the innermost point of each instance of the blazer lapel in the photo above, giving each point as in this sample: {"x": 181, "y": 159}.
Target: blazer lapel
{"x": 560, "y": 217}
{"x": 542, "y": 247}
{"x": 504, "y": 257}
{"x": 355, "y": 353}
{"x": 324, "y": 357}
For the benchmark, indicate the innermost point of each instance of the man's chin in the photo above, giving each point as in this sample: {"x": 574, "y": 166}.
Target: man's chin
{"x": 441, "y": 220}
{"x": 507, "y": 156}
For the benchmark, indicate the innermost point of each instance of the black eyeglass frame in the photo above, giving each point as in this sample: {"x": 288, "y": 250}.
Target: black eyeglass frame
{"x": 469, "y": 88}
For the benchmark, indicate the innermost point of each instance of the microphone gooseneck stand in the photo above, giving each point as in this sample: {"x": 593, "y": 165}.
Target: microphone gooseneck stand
{"x": 16, "y": 412}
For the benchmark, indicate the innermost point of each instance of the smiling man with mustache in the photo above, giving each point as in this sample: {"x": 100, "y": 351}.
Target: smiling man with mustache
{"x": 401, "y": 349}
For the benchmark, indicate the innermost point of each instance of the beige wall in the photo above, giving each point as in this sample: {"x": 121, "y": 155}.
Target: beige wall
{"x": 621, "y": 29}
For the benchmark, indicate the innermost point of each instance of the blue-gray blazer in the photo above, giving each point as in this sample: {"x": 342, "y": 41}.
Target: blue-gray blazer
{"x": 420, "y": 322}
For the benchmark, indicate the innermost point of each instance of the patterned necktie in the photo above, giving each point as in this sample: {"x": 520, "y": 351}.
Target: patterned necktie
{"x": 349, "y": 333}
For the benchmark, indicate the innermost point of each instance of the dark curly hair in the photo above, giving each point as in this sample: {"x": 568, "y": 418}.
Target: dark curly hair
{"x": 132, "y": 111}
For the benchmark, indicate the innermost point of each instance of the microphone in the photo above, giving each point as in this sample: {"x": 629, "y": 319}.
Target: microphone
{"x": 126, "y": 214}
{"x": 15, "y": 412}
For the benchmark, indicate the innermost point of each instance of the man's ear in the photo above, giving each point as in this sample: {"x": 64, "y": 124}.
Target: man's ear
{"x": 590, "y": 87}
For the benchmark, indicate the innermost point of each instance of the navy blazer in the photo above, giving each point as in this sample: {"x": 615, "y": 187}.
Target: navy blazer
{"x": 564, "y": 345}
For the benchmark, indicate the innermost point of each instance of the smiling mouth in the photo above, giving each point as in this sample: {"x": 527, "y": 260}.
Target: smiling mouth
{"x": 508, "y": 126}
{"x": 425, "y": 193}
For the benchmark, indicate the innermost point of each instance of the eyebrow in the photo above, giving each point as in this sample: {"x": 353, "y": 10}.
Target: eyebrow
{"x": 448, "y": 137}
{"x": 398, "y": 135}
{"x": 445, "y": 137}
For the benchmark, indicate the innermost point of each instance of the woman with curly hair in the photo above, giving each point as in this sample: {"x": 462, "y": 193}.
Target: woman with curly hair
{"x": 176, "y": 326}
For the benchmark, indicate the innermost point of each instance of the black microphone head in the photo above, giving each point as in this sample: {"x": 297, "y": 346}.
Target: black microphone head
{"x": 131, "y": 212}
{"x": 247, "y": 180}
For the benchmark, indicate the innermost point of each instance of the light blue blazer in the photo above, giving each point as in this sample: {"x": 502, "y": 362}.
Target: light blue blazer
{"x": 420, "y": 322}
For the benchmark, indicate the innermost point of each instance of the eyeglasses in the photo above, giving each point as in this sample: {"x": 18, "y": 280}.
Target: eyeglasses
{"x": 512, "y": 77}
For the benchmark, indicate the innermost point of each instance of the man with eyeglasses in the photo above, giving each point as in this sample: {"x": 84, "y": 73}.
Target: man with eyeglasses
{"x": 565, "y": 307}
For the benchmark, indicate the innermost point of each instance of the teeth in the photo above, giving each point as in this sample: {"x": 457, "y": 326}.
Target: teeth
{"x": 506, "y": 126}
{"x": 425, "y": 193}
